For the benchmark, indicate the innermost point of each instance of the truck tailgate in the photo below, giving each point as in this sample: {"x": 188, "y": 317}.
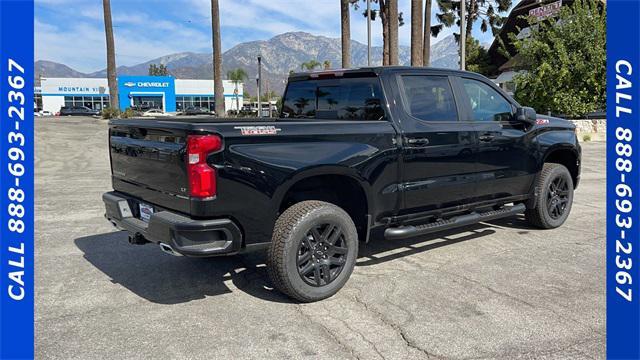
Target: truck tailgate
{"x": 147, "y": 161}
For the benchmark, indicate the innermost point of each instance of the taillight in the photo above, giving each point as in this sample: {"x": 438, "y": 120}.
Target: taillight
{"x": 202, "y": 177}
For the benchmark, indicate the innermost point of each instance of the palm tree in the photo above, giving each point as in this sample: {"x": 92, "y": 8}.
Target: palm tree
{"x": 310, "y": 65}
{"x": 301, "y": 103}
{"x": 426, "y": 48}
{"x": 384, "y": 19}
{"x": 345, "y": 29}
{"x": 237, "y": 76}
{"x": 486, "y": 12}
{"x": 111, "y": 56}
{"x": 416, "y": 33}
{"x": 218, "y": 90}
{"x": 393, "y": 31}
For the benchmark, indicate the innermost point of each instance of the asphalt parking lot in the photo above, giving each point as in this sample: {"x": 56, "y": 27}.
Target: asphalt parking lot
{"x": 496, "y": 290}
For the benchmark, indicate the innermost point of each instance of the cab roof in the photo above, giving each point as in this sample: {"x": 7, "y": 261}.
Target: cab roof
{"x": 372, "y": 71}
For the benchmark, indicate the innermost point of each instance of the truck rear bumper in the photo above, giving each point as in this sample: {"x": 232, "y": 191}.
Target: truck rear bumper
{"x": 182, "y": 234}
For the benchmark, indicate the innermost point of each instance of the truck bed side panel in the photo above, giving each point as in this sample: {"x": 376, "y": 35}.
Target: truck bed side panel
{"x": 255, "y": 171}
{"x": 259, "y": 163}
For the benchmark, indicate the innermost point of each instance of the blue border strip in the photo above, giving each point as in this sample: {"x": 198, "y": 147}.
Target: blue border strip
{"x": 16, "y": 180}
{"x": 623, "y": 181}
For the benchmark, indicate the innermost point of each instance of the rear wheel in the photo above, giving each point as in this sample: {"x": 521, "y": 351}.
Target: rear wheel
{"x": 553, "y": 205}
{"x": 313, "y": 250}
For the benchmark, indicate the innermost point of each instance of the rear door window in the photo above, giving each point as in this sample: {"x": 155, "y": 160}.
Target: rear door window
{"x": 429, "y": 98}
{"x": 342, "y": 99}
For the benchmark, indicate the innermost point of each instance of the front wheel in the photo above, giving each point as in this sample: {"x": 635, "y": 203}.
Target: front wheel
{"x": 553, "y": 205}
{"x": 313, "y": 251}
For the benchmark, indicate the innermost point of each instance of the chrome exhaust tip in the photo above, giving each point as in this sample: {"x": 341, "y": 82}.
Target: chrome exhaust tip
{"x": 168, "y": 249}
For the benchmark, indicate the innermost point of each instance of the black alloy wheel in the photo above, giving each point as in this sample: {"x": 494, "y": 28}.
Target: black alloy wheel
{"x": 557, "y": 196}
{"x": 322, "y": 254}
{"x": 552, "y": 206}
{"x": 313, "y": 250}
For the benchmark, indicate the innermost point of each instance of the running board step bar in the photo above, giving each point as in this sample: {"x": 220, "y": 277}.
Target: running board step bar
{"x": 407, "y": 231}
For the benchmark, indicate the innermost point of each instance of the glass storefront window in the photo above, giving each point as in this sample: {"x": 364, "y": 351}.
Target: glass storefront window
{"x": 183, "y": 102}
{"x": 147, "y": 102}
{"x": 92, "y": 102}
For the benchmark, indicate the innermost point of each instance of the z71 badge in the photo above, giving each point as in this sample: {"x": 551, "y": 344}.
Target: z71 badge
{"x": 258, "y": 130}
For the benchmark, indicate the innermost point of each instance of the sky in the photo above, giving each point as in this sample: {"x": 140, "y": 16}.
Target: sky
{"x": 72, "y": 31}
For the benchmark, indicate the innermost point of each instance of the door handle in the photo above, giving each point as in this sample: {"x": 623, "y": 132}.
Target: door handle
{"x": 418, "y": 141}
{"x": 485, "y": 137}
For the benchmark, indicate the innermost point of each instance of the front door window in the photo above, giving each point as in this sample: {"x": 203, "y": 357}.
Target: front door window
{"x": 486, "y": 103}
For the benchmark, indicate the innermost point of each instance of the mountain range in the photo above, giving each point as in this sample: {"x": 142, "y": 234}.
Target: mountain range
{"x": 280, "y": 54}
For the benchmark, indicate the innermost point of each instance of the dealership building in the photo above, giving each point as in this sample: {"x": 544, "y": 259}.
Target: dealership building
{"x": 161, "y": 92}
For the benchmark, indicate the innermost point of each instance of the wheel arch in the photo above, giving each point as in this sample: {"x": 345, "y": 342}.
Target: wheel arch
{"x": 565, "y": 155}
{"x": 340, "y": 186}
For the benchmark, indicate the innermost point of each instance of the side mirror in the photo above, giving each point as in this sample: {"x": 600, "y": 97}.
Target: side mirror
{"x": 527, "y": 115}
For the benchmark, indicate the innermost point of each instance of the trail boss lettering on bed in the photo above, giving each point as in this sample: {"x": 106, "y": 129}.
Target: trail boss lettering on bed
{"x": 257, "y": 130}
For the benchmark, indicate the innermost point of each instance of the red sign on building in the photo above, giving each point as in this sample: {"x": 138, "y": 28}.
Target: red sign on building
{"x": 547, "y": 10}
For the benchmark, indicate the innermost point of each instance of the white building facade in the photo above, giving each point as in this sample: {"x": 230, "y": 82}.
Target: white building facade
{"x": 162, "y": 92}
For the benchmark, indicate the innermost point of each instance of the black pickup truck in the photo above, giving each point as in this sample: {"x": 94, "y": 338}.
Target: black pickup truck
{"x": 394, "y": 151}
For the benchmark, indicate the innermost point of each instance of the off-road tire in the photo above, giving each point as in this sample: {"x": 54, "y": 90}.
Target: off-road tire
{"x": 290, "y": 230}
{"x": 539, "y": 215}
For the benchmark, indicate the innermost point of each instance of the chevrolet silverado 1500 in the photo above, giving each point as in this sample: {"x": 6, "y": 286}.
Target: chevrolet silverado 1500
{"x": 398, "y": 151}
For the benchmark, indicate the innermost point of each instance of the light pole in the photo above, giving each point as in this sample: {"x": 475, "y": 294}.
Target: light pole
{"x": 463, "y": 36}
{"x": 259, "y": 85}
{"x": 368, "y": 32}
{"x": 266, "y": 83}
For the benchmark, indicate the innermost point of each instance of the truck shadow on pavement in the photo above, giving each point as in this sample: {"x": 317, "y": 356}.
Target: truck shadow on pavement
{"x": 164, "y": 279}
